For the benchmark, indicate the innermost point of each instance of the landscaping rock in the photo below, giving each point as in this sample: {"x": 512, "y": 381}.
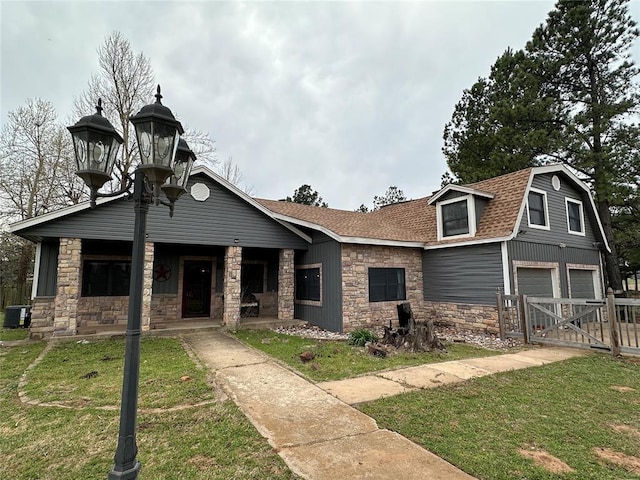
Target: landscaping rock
{"x": 307, "y": 356}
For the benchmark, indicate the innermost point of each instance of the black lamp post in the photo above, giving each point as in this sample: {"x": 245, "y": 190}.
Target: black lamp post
{"x": 166, "y": 162}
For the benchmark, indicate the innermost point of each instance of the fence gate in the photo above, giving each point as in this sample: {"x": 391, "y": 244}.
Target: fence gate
{"x": 511, "y": 316}
{"x": 567, "y": 322}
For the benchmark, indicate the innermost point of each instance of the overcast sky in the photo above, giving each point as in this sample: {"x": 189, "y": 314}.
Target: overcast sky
{"x": 347, "y": 97}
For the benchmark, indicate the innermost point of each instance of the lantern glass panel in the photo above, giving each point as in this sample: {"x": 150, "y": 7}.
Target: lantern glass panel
{"x": 144, "y": 134}
{"x": 80, "y": 145}
{"x": 165, "y": 141}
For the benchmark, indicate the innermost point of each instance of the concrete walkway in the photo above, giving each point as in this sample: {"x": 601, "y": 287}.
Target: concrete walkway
{"x": 313, "y": 428}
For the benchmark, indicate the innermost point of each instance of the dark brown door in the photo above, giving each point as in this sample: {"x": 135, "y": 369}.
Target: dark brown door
{"x": 196, "y": 289}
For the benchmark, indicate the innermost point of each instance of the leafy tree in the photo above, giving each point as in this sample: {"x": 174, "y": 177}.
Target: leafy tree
{"x": 392, "y": 195}
{"x": 569, "y": 96}
{"x": 362, "y": 208}
{"x": 307, "y": 196}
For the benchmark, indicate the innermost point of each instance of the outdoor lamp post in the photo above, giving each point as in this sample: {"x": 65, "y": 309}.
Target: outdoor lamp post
{"x": 166, "y": 162}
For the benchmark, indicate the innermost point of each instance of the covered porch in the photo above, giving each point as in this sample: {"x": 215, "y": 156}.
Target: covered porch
{"x": 185, "y": 286}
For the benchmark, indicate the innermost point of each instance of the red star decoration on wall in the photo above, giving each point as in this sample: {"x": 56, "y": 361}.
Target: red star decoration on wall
{"x": 162, "y": 273}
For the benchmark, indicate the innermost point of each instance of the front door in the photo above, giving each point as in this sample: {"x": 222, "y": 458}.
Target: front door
{"x": 196, "y": 288}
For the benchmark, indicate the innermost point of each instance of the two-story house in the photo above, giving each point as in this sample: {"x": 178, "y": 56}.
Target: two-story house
{"x": 535, "y": 231}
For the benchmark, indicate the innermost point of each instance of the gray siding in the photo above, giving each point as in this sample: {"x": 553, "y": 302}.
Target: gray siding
{"x": 223, "y": 219}
{"x": 169, "y": 255}
{"x": 480, "y": 204}
{"x": 559, "y": 232}
{"x": 470, "y": 275}
{"x": 328, "y": 252}
{"x": 47, "y": 278}
{"x": 537, "y": 252}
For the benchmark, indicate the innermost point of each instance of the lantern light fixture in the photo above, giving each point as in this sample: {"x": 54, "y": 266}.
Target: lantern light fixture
{"x": 165, "y": 165}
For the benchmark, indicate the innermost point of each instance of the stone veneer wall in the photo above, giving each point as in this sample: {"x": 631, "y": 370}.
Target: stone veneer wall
{"x": 98, "y": 311}
{"x": 147, "y": 285}
{"x": 42, "y": 314}
{"x": 480, "y": 318}
{"x": 68, "y": 285}
{"x": 286, "y": 284}
{"x": 357, "y": 311}
{"x": 232, "y": 286}
{"x": 164, "y": 308}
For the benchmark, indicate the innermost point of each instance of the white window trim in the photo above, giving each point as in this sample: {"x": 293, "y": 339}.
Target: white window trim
{"x": 546, "y": 210}
{"x": 568, "y": 200}
{"x": 471, "y": 217}
{"x": 36, "y": 271}
{"x": 312, "y": 303}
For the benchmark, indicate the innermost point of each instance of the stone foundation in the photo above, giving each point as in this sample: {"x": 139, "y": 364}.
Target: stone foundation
{"x": 164, "y": 308}
{"x": 102, "y": 311}
{"x": 42, "y": 314}
{"x": 357, "y": 311}
{"x": 480, "y": 318}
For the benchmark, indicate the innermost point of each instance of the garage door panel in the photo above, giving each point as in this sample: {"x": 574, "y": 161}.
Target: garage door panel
{"x": 536, "y": 282}
{"x": 581, "y": 283}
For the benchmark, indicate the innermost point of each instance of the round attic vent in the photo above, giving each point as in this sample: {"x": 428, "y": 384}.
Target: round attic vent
{"x": 555, "y": 182}
{"x": 200, "y": 192}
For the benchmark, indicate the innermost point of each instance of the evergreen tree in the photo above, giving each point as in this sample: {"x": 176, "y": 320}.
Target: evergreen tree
{"x": 569, "y": 96}
{"x": 306, "y": 195}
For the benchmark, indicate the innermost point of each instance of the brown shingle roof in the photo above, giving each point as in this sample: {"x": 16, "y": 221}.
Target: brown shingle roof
{"x": 415, "y": 220}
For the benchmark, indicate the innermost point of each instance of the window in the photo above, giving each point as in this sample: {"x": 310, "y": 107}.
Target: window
{"x": 105, "y": 278}
{"x": 308, "y": 284}
{"x": 455, "y": 219}
{"x": 537, "y": 208}
{"x": 386, "y": 284}
{"x": 574, "y": 216}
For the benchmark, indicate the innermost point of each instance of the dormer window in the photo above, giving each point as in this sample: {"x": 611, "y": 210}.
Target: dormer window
{"x": 537, "y": 209}
{"x": 456, "y": 218}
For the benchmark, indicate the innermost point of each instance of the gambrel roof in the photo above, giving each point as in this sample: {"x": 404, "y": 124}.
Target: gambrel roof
{"x": 414, "y": 222}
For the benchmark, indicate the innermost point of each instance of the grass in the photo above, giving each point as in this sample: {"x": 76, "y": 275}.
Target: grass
{"x": 90, "y": 375}
{"x": 210, "y": 441}
{"x": 10, "y": 334}
{"x": 336, "y": 359}
{"x": 566, "y": 409}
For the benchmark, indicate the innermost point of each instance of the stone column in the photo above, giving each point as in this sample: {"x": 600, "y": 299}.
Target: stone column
{"x": 68, "y": 287}
{"x": 232, "y": 286}
{"x": 286, "y": 282}
{"x": 147, "y": 288}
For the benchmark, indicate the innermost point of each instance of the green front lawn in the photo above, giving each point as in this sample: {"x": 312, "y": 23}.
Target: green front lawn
{"x": 10, "y": 334}
{"x": 178, "y": 441}
{"x": 336, "y": 359}
{"x": 568, "y": 410}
